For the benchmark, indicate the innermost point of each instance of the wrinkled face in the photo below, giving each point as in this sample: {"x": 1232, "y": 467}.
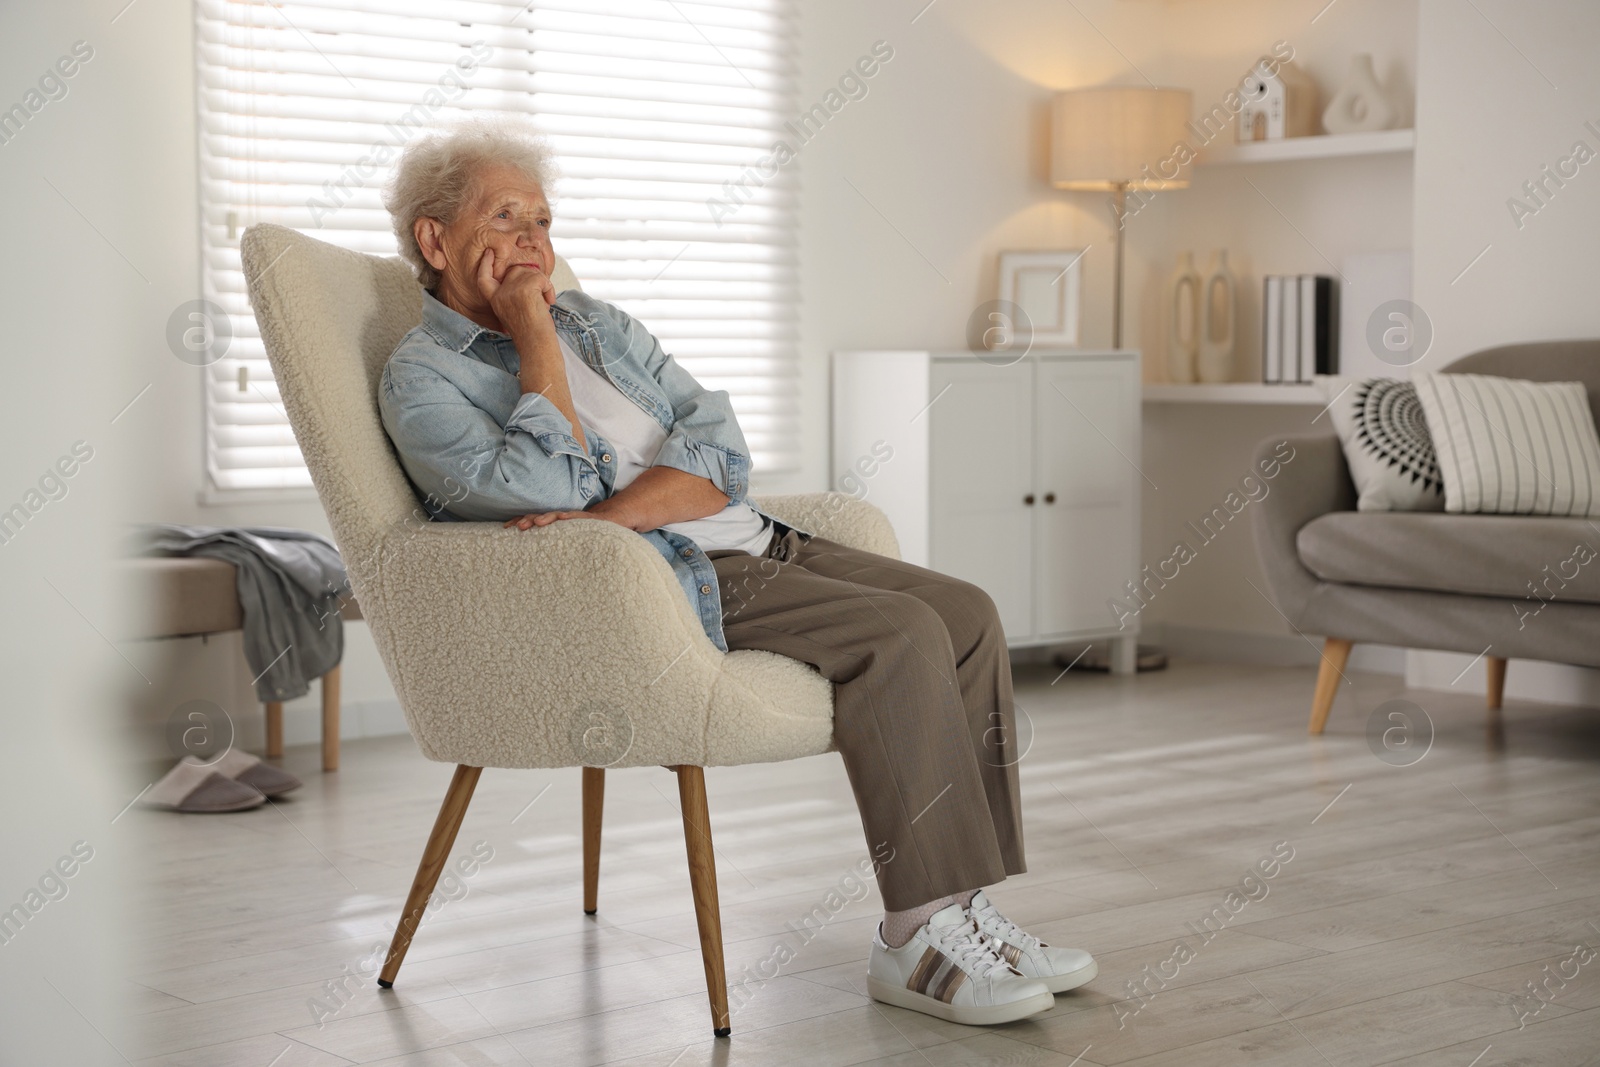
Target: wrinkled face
{"x": 507, "y": 212}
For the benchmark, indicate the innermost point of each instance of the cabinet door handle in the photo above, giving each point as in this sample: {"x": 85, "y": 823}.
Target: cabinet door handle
{"x": 1028, "y": 500}
{"x": 1049, "y": 498}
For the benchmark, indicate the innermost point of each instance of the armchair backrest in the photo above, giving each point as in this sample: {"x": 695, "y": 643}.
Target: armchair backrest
{"x": 1541, "y": 361}
{"x": 329, "y": 319}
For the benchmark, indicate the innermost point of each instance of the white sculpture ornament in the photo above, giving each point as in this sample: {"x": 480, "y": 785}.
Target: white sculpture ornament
{"x": 1360, "y": 105}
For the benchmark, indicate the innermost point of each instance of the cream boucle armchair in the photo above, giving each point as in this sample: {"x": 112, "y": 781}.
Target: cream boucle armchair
{"x": 478, "y": 625}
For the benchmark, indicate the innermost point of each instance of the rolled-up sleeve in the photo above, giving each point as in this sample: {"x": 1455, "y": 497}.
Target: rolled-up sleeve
{"x": 465, "y": 462}
{"x": 705, "y": 438}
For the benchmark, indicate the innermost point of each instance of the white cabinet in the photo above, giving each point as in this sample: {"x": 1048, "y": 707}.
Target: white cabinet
{"x": 1021, "y": 478}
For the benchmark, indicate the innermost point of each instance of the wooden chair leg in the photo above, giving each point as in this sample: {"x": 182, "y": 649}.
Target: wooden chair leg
{"x": 594, "y": 796}
{"x": 274, "y": 730}
{"x": 1335, "y": 654}
{"x": 703, "y": 882}
{"x": 434, "y": 856}
{"x": 1496, "y": 667}
{"x": 330, "y": 720}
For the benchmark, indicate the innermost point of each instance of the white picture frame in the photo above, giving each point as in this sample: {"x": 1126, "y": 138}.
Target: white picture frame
{"x": 1045, "y": 286}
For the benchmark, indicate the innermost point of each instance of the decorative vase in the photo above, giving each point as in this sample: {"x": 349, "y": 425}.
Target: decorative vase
{"x": 1360, "y": 105}
{"x": 1183, "y": 320}
{"x": 1218, "y": 321}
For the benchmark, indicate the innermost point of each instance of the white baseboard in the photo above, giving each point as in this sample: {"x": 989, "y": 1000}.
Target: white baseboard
{"x": 1265, "y": 650}
{"x": 1551, "y": 683}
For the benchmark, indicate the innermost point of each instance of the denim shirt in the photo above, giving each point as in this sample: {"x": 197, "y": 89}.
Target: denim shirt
{"x": 469, "y": 437}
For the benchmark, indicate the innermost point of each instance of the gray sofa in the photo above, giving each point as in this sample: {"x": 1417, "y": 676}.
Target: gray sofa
{"x": 1496, "y": 585}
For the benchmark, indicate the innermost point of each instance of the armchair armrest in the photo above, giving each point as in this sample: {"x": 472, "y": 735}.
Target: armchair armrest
{"x": 503, "y": 644}
{"x": 1314, "y": 482}
{"x": 837, "y": 517}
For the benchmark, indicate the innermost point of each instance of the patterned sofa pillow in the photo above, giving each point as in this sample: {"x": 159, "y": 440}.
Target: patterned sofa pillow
{"x": 1386, "y": 443}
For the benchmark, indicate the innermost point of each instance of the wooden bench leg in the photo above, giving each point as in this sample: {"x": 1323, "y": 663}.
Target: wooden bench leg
{"x": 275, "y": 730}
{"x": 330, "y": 720}
{"x": 1335, "y": 654}
{"x": 594, "y": 797}
{"x": 1496, "y": 667}
{"x": 703, "y": 882}
{"x": 434, "y": 856}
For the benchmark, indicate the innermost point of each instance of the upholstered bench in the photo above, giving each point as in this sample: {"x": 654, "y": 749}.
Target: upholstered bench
{"x": 188, "y": 596}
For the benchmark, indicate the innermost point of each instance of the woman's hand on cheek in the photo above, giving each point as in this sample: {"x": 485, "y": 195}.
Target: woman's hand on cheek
{"x": 521, "y": 297}
{"x": 487, "y": 283}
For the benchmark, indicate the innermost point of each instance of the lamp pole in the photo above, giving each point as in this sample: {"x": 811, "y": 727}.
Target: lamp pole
{"x": 1118, "y": 202}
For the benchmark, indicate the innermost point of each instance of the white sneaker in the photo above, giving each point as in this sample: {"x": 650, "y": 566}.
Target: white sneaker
{"x": 1060, "y": 969}
{"x": 953, "y": 971}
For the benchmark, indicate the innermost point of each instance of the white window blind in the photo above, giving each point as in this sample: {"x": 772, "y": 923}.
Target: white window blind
{"x": 651, "y": 107}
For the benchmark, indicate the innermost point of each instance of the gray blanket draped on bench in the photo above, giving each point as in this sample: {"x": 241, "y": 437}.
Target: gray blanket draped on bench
{"x": 291, "y": 586}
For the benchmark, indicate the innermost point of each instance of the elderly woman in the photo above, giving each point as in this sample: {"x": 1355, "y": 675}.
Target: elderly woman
{"x": 517, "y": 404}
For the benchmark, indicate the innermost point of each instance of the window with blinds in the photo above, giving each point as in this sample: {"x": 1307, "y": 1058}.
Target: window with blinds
{"x": 663, "y": 115}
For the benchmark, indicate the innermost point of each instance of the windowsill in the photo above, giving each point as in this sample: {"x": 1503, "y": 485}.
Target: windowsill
{"x": 210, "y": 496}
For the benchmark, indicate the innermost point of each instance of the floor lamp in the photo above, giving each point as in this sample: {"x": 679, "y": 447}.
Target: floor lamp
{"x": 1113, "y": 139}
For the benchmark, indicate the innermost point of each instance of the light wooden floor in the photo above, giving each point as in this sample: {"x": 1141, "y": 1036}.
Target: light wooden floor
{"x": 1418, "y": 901}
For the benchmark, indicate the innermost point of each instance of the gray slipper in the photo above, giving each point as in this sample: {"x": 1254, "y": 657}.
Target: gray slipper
{"x": 267, "y": 780}
{"x": 243, "y": 767}
{"x": 191, "y": 786}
{"x": 219, "y": 793}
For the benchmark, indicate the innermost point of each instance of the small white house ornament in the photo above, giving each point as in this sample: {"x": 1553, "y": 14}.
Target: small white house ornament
{"x": 1280, "y": 100}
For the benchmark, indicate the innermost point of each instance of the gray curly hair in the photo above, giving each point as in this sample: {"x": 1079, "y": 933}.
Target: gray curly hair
{"x": 434, "y": 176}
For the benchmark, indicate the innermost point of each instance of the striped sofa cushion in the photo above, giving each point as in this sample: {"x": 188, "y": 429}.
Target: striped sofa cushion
{"x": 1513, "y": 447}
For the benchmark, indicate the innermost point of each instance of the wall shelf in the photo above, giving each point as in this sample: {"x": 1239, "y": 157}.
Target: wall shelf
{"x": 1232, "y": 393}
{"x": 1325, "y": 146}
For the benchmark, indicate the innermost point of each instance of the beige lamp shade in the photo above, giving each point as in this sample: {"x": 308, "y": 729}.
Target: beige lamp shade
{"x": 1100, "y": 138}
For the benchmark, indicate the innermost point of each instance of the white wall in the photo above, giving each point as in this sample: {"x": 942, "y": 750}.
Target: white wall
{"x": 1488, "y": 122}
{"x": 78, "y": 279}
{"x": 1503, "y": 94}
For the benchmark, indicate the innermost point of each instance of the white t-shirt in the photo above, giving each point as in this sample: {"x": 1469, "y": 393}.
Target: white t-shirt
{"x": 636, "y": 439}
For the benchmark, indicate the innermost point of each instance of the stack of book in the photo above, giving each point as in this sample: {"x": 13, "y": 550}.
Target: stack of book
{"x": 1300, "y": 327}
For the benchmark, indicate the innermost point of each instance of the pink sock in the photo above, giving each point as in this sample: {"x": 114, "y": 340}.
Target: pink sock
{"x": 900, "y": 926}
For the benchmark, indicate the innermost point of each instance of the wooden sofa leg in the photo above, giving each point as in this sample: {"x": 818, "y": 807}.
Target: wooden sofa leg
{"x": 594, "y": 796}
{"x": 330, "y": 720}
{"x": 1335, "y": 654}
{"x": 1496, "y": 668}
{"x": 703, "y": 881}
{"x": 274, "y": 730}
{"x": 434, "y": 856}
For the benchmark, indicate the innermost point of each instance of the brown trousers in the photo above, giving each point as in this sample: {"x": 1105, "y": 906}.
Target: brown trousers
{"x": 922, "y": 709}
